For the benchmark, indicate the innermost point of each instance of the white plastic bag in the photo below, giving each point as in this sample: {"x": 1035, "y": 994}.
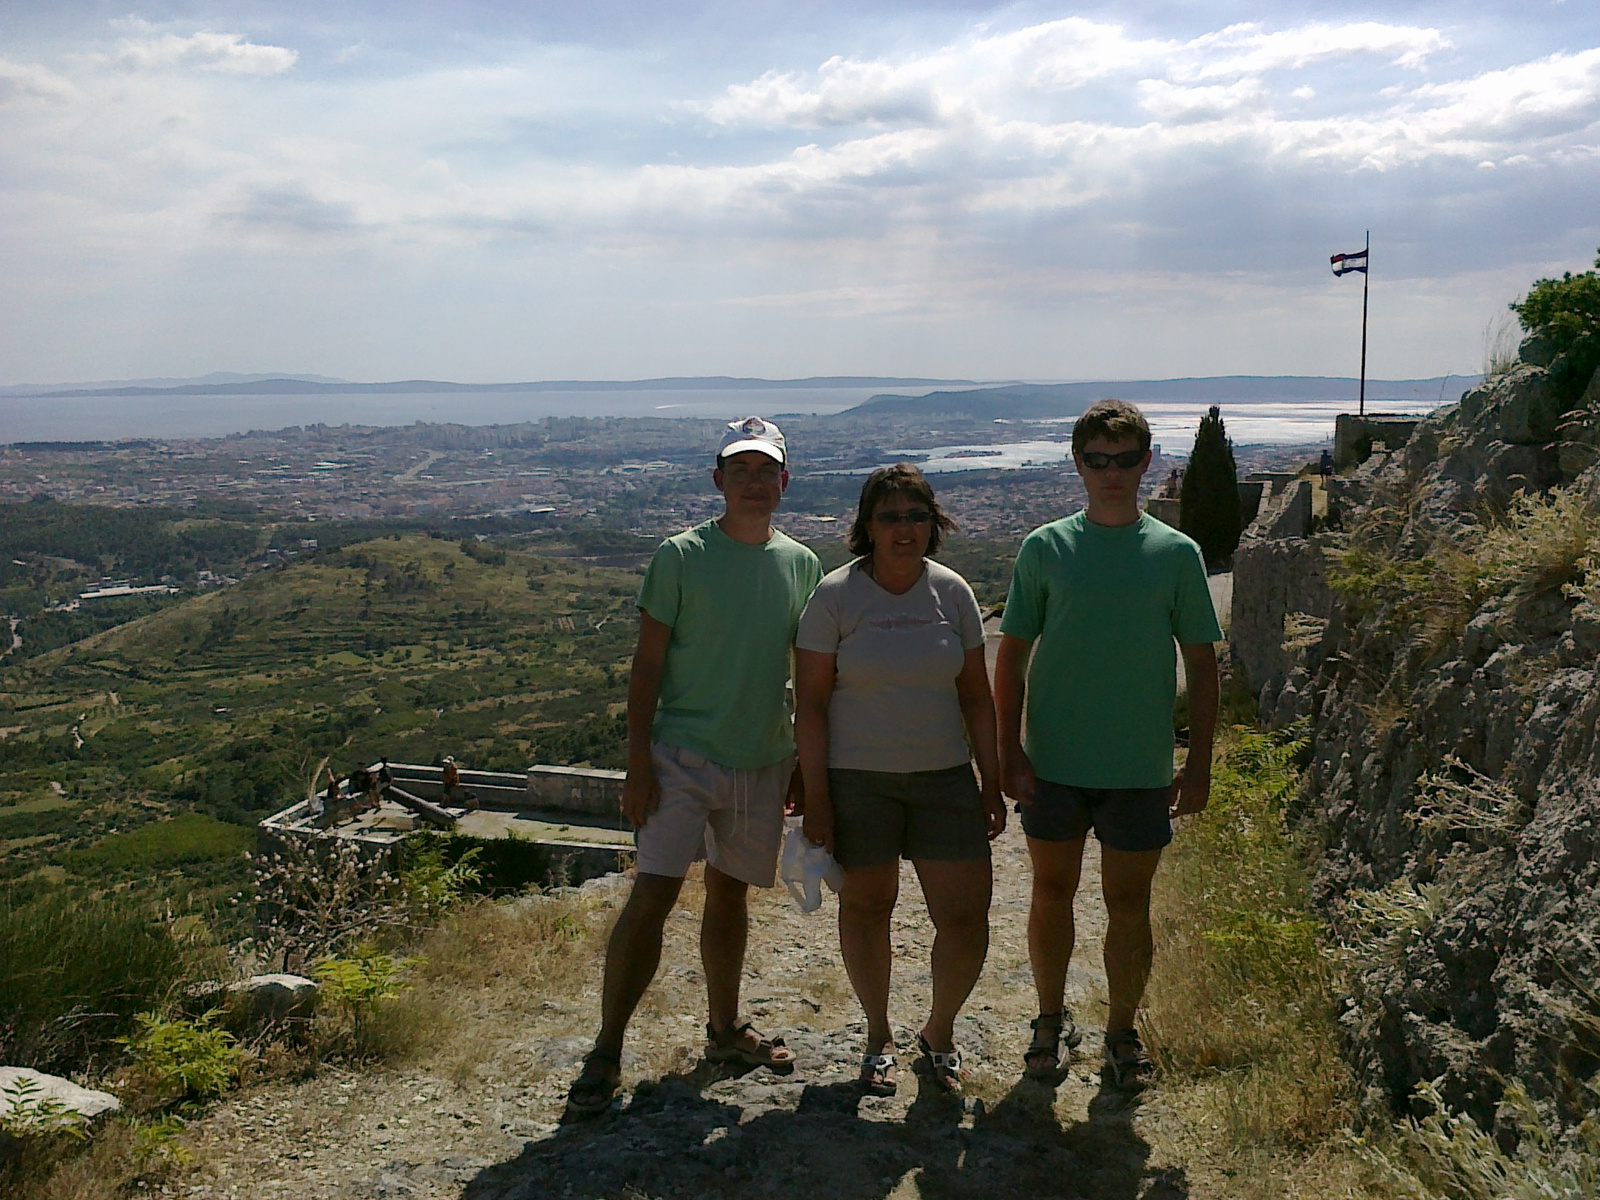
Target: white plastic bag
{"x": 804, "y": 868}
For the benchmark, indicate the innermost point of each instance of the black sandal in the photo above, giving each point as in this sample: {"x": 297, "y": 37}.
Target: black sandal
{"x": 1043, "y": 1058}
{"x": 592, "y": 1091}
{"x": 1127, "y": 1061}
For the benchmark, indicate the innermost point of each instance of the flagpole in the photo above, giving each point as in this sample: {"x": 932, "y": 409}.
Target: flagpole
{"x": 1366, "y": 277}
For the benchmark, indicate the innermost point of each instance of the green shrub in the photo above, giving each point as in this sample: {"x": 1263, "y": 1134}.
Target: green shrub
{"x": 1565, "y": 314}
{"x": 362, "y": 988}
{"x": 32, "y": 1114}
{"x": 74, "y": 971}
{"x": 186, "y": 838}
{"x": 184, "y": 1059}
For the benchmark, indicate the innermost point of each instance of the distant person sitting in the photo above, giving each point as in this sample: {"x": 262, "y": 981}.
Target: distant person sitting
{"x": 710, "y": 748}
{"x": 1096, "y": 602}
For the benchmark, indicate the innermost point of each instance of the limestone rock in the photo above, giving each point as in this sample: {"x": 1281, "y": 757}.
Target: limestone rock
{"x": 86, "y": 1102}
{"x": 1491, "y": 980}
{"x": 273, "y": 998}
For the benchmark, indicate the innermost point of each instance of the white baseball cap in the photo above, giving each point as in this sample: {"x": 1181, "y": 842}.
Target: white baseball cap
{"x": 753, "y": 433}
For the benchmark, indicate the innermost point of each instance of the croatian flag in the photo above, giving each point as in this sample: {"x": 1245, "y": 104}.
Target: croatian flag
{"x": 1343, "y": 264}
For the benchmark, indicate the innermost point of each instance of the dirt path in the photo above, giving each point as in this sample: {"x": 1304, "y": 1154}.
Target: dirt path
{"x": 479, "y": 1116}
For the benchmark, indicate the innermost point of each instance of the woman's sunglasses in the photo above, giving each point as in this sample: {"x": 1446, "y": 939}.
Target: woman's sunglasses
{"x": 915, "y": 516}
{"x": 1096, "y": 460}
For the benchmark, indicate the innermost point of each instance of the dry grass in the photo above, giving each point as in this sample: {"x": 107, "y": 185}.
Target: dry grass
{"x": 1241, "y": 1010}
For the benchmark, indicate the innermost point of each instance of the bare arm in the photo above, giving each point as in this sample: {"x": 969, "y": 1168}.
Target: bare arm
{"x": 641, "y": 794}
{"x": 977, "y": 712}
{"x": 814, "y": 674}
{"x": 1010, "y": 682}
{"x": 1191, "y": 791}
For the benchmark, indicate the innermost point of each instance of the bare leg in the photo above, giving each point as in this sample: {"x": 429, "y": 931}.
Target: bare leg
{"x": 865, "y": 906}
{"x": 1126, "y": 876}
{"x": 1051, "y": 932}
{"x": 632, "y": 955}
{"x": 958, "y": 902}
{"x": 724, "y": 930}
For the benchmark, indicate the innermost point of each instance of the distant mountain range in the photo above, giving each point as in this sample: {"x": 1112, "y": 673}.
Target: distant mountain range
{"x": 1026, "y": 401}
{"x": 224, "y": 384}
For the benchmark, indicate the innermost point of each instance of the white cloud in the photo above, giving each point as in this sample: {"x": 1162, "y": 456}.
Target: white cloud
{"x": 26, "y": 81}
{"x": 1176, "y": 104}
{"x": 1244, "y": 49}
{"x": 227, "y": 53}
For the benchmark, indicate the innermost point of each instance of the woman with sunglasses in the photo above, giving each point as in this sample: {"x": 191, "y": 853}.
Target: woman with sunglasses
{"x": 892, "y": 703}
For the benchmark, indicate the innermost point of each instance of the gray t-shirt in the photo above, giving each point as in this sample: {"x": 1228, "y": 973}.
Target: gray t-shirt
{"x": 894, "y": 704}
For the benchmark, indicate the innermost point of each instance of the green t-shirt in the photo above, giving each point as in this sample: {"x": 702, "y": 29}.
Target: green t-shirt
{"x": 1105, "y": 604}
{"x": 733, "y": 608}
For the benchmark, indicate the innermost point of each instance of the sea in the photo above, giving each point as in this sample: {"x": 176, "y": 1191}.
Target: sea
{"x": 109, "y": 418}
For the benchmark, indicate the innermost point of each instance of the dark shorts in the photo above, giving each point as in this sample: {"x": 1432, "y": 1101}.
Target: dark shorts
{"x": 882, "y": 816}
{"x": 1130, "y": 819}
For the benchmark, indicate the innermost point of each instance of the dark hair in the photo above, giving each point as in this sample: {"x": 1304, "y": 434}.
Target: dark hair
{"x": 885, "y": 482}
{"x": 1114, "y": 420}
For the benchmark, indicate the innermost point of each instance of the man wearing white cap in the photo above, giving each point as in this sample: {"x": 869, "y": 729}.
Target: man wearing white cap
{"x": 710, "y": 747}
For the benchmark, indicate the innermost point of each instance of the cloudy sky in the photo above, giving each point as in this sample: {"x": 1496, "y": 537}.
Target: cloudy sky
{"x": 523, "y": 189}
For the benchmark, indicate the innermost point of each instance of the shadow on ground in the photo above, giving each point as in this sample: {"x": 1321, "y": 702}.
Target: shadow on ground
{"x": 760, "y": 1135}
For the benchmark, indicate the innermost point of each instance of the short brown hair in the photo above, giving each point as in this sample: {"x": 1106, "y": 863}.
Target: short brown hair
{"x": 885, "y": 482}
{"x": 1114, "y": 420}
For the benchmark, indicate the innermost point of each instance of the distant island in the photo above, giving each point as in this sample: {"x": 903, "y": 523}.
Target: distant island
{"x": 1028, "y": 401}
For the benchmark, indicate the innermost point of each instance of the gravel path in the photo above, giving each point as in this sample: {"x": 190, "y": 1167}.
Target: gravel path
{"x": 480, "y": 1116}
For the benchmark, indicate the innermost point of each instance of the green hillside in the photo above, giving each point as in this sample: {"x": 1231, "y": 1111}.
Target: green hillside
{"x": 226, "y": 704}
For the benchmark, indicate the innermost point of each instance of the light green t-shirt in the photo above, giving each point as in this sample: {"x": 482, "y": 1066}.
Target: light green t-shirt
{"x": 1105, "y": 604}
{"x": 733, "y": 608}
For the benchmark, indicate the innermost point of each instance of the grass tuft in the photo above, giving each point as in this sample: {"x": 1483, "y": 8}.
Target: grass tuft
{"x": 1241, "y": 1010}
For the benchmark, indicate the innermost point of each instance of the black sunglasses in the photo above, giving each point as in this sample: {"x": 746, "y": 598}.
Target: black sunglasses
{"x": 915, "y": 516}
{"x": 1096, "y": 460}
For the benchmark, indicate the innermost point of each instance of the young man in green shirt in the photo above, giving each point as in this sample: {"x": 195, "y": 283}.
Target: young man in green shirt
{"x": 1097, "y": 600}
{"x": 710, "y": 747}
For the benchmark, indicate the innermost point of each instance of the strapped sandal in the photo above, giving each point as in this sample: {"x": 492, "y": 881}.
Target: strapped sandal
{"x": 728, "y": 1045}
{"x": 879, "y": 1075}
{"x": 945, "y": 1067}
{"x": 1051, "y": 1031}
{"x": 592, "y": 1091}
{"x": 1127, "y": 1061}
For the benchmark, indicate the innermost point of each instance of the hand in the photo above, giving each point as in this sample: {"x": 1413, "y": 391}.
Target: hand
{"x": 994, "y": 812}
{"x": 1191, "y": 790}
{"x": 1017, "y": 777}
{"x": 818, "y": 823}
{"x": 641, "y": 793}
{"x": 794, "y": 803}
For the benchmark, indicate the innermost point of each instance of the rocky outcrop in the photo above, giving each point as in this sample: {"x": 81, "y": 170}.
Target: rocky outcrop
{"x": 27, "y": 1095}
{"x": 1454, "y": 774}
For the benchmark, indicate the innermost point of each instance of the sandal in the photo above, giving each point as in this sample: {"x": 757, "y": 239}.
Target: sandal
{"x": 728, "y": 1045}
{"x": 591, "y": 1092}
{"x": 1051, "y": 1031}
{"x": 945, "y": 1067}
{"x": 1127, "y": 1061}
{"x": 879, "y": 1075}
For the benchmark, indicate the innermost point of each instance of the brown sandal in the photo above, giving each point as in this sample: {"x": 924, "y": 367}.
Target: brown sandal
{"x": 591, "y": 1092}
{"x": 728, "y": 1045}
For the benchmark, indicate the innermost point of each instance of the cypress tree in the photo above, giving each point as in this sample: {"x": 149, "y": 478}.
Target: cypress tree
{"x": 1208, "y": 506}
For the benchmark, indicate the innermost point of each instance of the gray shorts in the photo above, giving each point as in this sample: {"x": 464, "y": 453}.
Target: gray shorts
{"x": 731, "y": 817}
{"x": 882, "y": 816}
{"x": 1129, "y": 819}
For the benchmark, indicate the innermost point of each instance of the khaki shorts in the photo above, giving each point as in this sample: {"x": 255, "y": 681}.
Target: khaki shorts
{"x": 730, "y": 817}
